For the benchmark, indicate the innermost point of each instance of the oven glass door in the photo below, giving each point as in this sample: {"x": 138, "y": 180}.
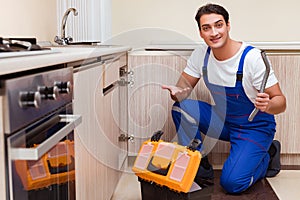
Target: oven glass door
{"x": 41, "y": 161}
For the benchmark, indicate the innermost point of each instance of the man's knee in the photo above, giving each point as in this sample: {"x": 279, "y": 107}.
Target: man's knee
{"x": 235, "y": 184}
{"x": 180, "y": 113}
{"x": 175, "y": 110}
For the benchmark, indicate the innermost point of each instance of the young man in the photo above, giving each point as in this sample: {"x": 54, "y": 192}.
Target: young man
{"x": 233, "y": 72}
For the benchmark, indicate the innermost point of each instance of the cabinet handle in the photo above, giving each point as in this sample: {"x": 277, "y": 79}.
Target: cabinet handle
{"x": 44, "y": 147}
{"x": 110, "y": 88}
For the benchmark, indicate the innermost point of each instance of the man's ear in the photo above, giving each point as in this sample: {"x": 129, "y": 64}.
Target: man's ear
{"x": 228, "y": 26}
{"x": 200, "y": 33}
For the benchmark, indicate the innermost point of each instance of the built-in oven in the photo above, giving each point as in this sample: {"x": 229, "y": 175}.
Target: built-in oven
{"x": 38, "y": 128}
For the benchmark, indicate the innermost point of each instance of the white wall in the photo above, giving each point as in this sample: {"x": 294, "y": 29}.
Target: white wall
{"x": 42, "y": 19}
{"x": 255, "y": 20}
{"x": 93, "y": 22}
{"x": 30, "y": 18}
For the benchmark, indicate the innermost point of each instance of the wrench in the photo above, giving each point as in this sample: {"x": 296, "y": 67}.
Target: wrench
{"x": 263, "y": 84}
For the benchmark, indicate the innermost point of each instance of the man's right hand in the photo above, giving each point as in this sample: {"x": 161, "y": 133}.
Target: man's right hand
{"x": 177, "y": 93}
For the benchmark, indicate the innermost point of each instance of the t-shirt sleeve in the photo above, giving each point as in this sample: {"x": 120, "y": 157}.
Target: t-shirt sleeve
{"x": 258, "y": 74}
{"x": 194, "y": 64}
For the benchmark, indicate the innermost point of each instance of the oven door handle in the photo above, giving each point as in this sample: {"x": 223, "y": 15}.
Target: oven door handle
{"x": 44, "y": 147}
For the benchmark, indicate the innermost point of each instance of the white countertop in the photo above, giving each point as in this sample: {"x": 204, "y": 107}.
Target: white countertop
{"x": 185, "y": 49}
{"x": 58, "y": 55}
{"x": 193, "y": 45}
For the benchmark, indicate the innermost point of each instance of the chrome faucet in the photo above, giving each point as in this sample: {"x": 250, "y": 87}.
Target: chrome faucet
{"x": 63, "y": 40}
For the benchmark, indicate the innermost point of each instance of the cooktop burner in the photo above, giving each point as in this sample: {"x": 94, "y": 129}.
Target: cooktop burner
{"x": 13, "y": 47}
{"x": 19, "y": 44}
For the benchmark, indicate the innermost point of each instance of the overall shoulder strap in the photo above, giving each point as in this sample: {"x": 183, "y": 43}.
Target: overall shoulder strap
{"x": 205, "y": 62}
{"x": 239, "y": 74}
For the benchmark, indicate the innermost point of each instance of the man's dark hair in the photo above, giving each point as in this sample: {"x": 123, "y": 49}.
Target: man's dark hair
{"x": 209, "y": 9}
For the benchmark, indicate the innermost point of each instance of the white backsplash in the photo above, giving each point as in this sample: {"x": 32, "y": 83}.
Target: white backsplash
{"x": 93, "y": 22}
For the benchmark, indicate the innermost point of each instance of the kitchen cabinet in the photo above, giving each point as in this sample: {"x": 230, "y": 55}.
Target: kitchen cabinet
{"x": 287, "y": 69}
{"x": 150, "y": 106}
{"x": 99, "y": 157}
{"x": 99, "y": 154}
{"x": 2, "y": 154}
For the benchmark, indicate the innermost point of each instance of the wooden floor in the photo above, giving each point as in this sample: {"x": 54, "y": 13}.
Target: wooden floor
{"x": 284, "y": 186}
{"x": 129, "y": 189}
{"x": 260, "y": 190}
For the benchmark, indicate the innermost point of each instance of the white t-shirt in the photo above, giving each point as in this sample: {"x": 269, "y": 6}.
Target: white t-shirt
{"x": 224, "y": 72}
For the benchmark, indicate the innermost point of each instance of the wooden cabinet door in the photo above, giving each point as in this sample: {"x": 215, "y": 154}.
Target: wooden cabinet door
{"x": 96, "y": 139}
{"x": 149, "y": 106}
{"x": 89, "y": 170}
{"x": 287, "y": 69}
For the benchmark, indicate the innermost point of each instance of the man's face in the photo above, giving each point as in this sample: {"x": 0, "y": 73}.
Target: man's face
{"x": 214, "y": 30}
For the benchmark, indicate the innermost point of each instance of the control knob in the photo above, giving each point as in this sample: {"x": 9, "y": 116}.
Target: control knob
{"x": 29, "y": 99}
{"x": 63, "y": 87}
{"x": 48, "y": 92}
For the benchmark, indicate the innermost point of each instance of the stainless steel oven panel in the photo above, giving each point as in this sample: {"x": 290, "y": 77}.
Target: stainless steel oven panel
{"x": 36, "y": 153}
{"x": 17, "y": 117}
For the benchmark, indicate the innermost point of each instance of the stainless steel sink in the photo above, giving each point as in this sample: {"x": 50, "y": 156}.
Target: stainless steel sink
{"x": 90, "y": 44}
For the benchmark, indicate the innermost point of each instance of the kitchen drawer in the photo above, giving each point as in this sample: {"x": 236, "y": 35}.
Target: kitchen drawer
{"x": 111, "y": 68}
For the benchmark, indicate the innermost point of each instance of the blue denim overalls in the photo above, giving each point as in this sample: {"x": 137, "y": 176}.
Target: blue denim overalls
{"x": 228, "y": 120}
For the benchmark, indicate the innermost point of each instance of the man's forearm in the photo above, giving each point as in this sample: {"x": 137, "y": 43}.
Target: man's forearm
{"x": 184, "y": 86}
{"x": 276, "y": 105}
{"x": 183, "y": 83}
